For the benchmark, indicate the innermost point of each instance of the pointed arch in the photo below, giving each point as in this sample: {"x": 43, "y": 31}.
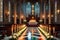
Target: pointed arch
{"x": 37, "y": 8}
{"x": 28, "y": 8}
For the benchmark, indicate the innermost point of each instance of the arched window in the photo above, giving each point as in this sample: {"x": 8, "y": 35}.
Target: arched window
{"x": 28, "y": 8}
{"x": 37, "y": 8}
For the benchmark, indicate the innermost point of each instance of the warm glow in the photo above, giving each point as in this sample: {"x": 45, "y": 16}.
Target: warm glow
{"x": 49, "y": 15}
{"x": 33, "y": 11}
{"x": 32, "y": 21}
{"x": 32, "y": 17}
{"x": 40, "y": 25}
{"x": 22, "y": 16}
{"x": 15, "y": 15}
{"x": 8, "y": 13}
{"x": 43, "y": 16}
{"x": 40, "y": 20}
{"x": 32, "y": 6}
{"x": 51, "y": 36}
{"x": 58, "y": 11}
{"x": 24, "y": 25}
{"x": 25, "y": 20}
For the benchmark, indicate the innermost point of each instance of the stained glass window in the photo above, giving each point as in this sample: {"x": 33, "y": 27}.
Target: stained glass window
{"x": 28, "y": 8}
{"x": 37, "y": 8}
